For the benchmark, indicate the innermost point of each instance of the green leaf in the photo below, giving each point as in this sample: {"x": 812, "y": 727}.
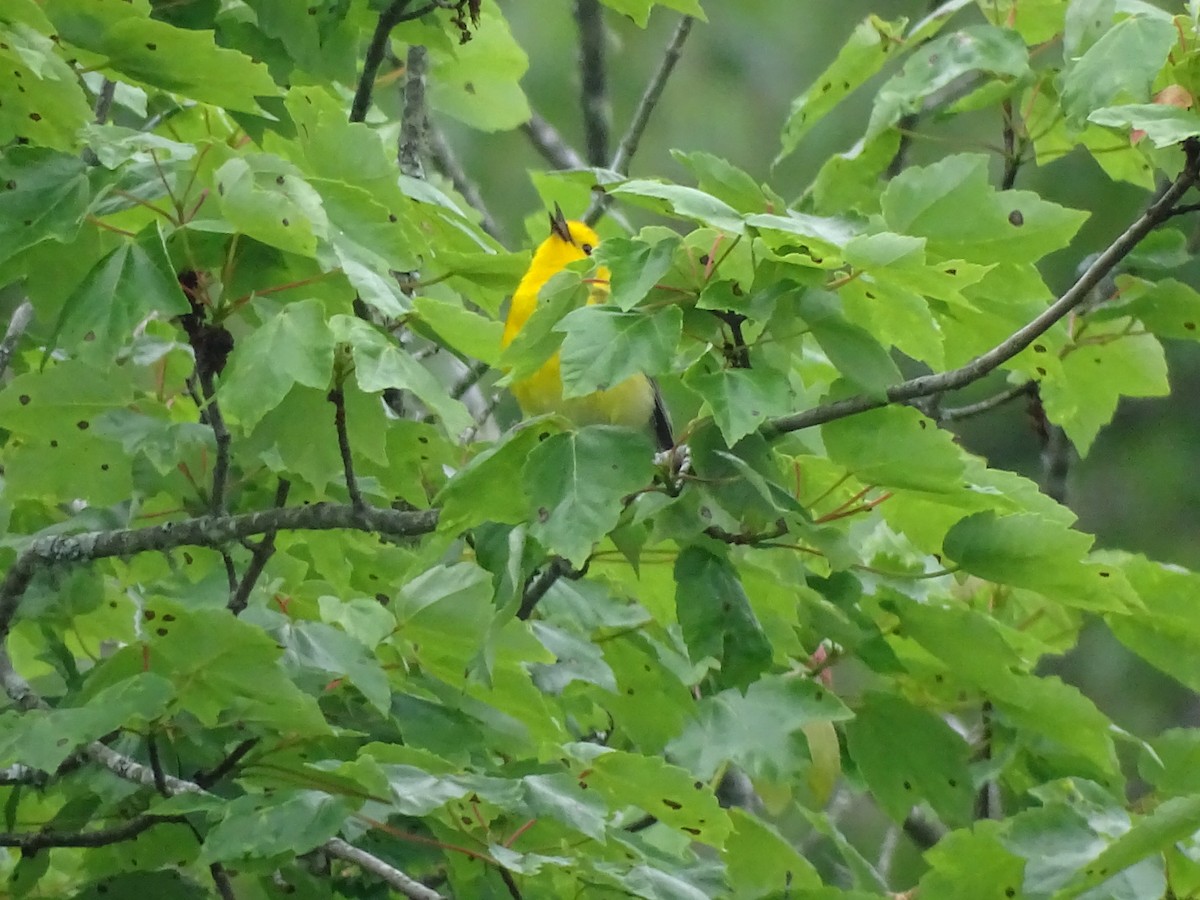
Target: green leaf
{"x": 742, "y": 399}
{"x": 1169, "y": 308}
{"x": 1097, "y": 374}
{"x": 268, "y": 825}
{"x": 560, "y": 796}
{"x": 381, "y": 363}
{"x": 973, "y": 864}
{"x": 604, "y": 346}
{"x": 717, "y": 619}
{"x": 682, "y": 202}
{"x": 43, "y": 195}
{"x": 130, "y": 284}
{"x": 315, "y": 645}
{"x": 1031, "y": 552}
{"x": 724, "y": 180}
{"x": 466, "y": 332}
{"x": 45, "y": 105}
{"x": 490, "y": 487}
{"x": 639, "y": 10}
{"x": 576, "y": 483}
{"x": 1003, "y": 226}
{"x": 267, "y": 199}
{"x": 998, "y": 52}
{"x": 760, "y": 862}
{"x": 852, "y": 350}
{"x": 157, "y": 55}
{"x": 760, "y": 731}
{"x": 479, "y": 83}
{"x": 635, "y": 267}
{"x": 1164, "y": 631}
{"x": 1140, "y": 43}
{"x": 294, "y": 346}
{"x": 44, "y": 738}
{"x": 908, "y": 756}
{"x": 895, "y": 446}
{"x": 1175, "y": 820}
{"x": 1164, "y": 125}
{"x": 670, "y": 794}
{"x": 872, "y": 43}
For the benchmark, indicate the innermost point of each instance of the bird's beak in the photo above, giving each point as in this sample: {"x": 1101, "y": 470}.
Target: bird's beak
{"x": 558, "y": 225}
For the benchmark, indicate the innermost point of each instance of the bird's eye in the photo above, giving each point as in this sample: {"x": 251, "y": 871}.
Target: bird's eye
{"x": 586, "y": 248}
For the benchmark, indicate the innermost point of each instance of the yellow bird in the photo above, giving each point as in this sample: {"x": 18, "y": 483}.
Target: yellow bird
{"x": 634, "y": 402}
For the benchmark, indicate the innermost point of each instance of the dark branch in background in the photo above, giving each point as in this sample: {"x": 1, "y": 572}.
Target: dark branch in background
{"x": 922, "y": 831}
{"x": 906, "y": 126}
{"x": 987, "y": 798}
{"x": 20, "y": 320}
{"x": 415, "y": 123}
{"x": 548, "y": 142}
{"x": 224, "y": 767}
{"x": 928, "y": 385}
{"x": 160, "y": 782}
{"x": 338, "y": 398}
{"x": 594, "y": 89}
{"x": 442, "y": 155}
{"x": 104, "y": 100}
{"x": 1014, "y": 150}
{"x": 377, "y": 50}
{"x": 469, "y": 379}
{"x": 204, "y": 531}
{"x": 210, "y": 415}
{"x": 641, "y": 116}
{"x": 259, "y": 557}
{"x": 221, "y": 880}
{"x": 33, "y": 841}
{"x": 19, "y": 774}
{"x": 537, "y": 587}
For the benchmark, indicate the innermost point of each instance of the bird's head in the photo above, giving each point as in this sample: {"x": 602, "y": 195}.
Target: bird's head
{"x": 568, "y": 241}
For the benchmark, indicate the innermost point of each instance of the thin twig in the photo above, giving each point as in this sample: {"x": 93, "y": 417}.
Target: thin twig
{"x": 1056, "y": 463}
{"x": 338, "y": 398}
{"x": 538, "y": 587}
{"x": 548, "y": 142}
{"x": 469, "y": 379}
{"x": 442, "y": 155}
{"x": 17, "y": 325}
{"x": 415, "y": 123}
{"x": 160, "y": 784}
{"x": 377, "y": 50}
{"x": 928, "y": 385}
{"x": 225, "y": 766}
{"x": 210, "y": 414}
{"x": 593, "y": 88}
{"x": 641, "y": 116}
{"x": 414, "y": 890}
{"x": 203, "y": 531}
{"x": 259, "y": 557}
{"x": 650, "y": 97}
{"x": 923, "y": 832}
{"x": 957, "y": 413}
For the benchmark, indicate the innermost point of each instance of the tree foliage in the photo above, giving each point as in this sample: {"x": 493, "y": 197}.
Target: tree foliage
{"x": 293, "y": 606}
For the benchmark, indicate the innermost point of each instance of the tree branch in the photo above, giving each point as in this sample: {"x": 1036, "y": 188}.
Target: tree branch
{"x": 224, "y": 767}
{"x": 32, "y": 841}
{"x": 17, "y": 325}
{"x": 204, "y": 531}
{"x": 259, "y": 558}
{"x": 443, "y": 157}
{"x": 548, "y": 142}
{"x": 410, "y": 888}
{"x": 210, "y": 414}
{"x": 650, "y": 97}
{"x": 415, "y": 123}
{"x": 104, "y": 100}
{"x": 594, "y": 89}
{"x": 927, "y": 385}
{"x": 377, "y": 49}
{"x": 538, "y": 587}
{"x": 338, "y": 398}
{"x": 641, "y": 116}
{"x": 956, "y": 413}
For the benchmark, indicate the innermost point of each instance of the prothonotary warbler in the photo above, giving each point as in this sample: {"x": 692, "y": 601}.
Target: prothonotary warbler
{"x": 634, "y": 402}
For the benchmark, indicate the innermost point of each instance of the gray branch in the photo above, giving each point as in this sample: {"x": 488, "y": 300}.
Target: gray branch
{"x": 414, "y": 126}
{"x": 205, "y": 531}
{"x": 444, "y": 158}
{"x": 594, "y": 88}
{"x": 548, "y": 142}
